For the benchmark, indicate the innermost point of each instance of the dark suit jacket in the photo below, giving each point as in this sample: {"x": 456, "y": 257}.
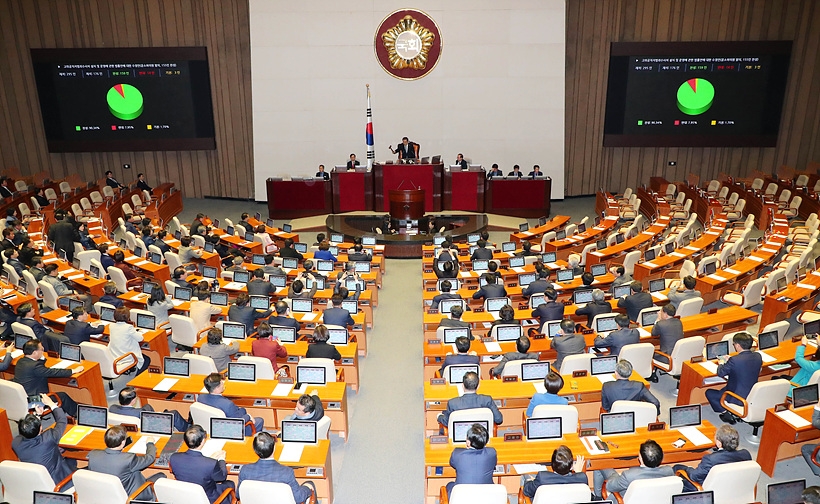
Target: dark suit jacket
{"x": 441, "y": 273}
{"x": 571, "y": 344}
{"x": 38, "y": 328}
{"x": 33, "y": 375}
{"x": 620, "y": 482}
{"x": 77, "y": 331}
{"x": 5, "y": 192}
{"x": 143, "y": 186}
{"x": 284, "y": 322}
{"x": 323, "y": 350}
{"x": 289, "y": 252}
{"x": 272, "y": 471}
{"x": 618, "y": 339}
{"x": 515, "y": 175}
{"x": 194, "y": 467}
{"x": 495, "y": 173}
{"x": 126, "y": 466}
{"x": 444, "y": 295}
{"x": 112, "y": 300}
{"x": 698, "y": 474}
{"x": 452, "y": 360}
{"x": 551, "y": 310}
{"x": 337, "y": 316}
{"x": 227, "y": 406}
{"x": 490, "y": 291}
{"x": 359, "y": 257}
{"x": 551, "y": 478}
{"x": 536, "y": 287}
{"x": 111, "y": 182}
{"x": 259, "y": 287}
{"x": 45, "y": 448}
{"x": 626, "y": 390}
{"x": 634, "y": 303}
{"x": 742, "y": 371}
{"x": 474, "y": 466}
{"x": 468, "y": 401}
{"x": 62, "y": 234}
{"x": 592, "y": 309}
{"x": 669, "y": 331}
{"x": 406, "y": 152}
{"x": 246, "y": 315}
{"x": 448, "y": 322}
{"x": 353, "y": 164}
{"x": 323, "y": 175}
{"x": 482, "y": 253}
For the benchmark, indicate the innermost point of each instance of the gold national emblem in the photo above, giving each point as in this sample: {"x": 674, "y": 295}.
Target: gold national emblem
{"x": 408, "y": 44}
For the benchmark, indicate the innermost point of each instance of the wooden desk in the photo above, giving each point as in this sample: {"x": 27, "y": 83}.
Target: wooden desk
{"x": 352, "y": 190}
{"x": 388, "y": 177}
{"x": 85, "y": 387}
{"x": 6, "y": 453}
{"x": 291, "y": 199}
{"x": 576, "y": 243}
{"x": 781, "y": 440}
{"x": 166, "y": 204}
{"x": 641, "y": 241}
{"x": 703, "y": 205}
{"x": 519, "y": 197}
{"x": 655, "y": 269}
{"x": 464, "y": 190}
{"x": 534, "y": 235}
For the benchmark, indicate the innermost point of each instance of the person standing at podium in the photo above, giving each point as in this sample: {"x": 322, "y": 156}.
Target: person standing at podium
{"x": 495, "y": 172}
{"x": 353, "y": 163}
{"x": 406, "y": 149}
{"x": 322, "y": 174}
{"x": 461, "y": 162}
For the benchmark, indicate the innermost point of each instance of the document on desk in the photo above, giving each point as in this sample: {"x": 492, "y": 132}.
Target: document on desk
{"x": 518, "y": 270}
{"x": 807, "y": 286}
{"x": 309, "y": 317}
{"x": 644, "y": 333}
{"x": 63, "y": 364}
{"x": 212, "y": 446}
{"x": 291, "y": 452}
{"x": 529, "y": 468}
{"x": 648, "y": 233}
{"x": 177, "y": 302}
{"x": 165, "y": 385}
{"x": 234, "y": 285}
{"x": 677, "y": 254}
{"x": 649, "y": 264}
{"x": 553, "y": 265}
{"x": 142, "y": 444}
{"x": 142, "y": 263}
{"x": 282, "y": 390}
{"x": 766, "y": 357}
{"x": 769, "y": 250}
{"x": 604, "y": 378}
{"x": 694, "y": 435}
{"x": 16, "y": 353}
{"x": 589, "y": 444}
{"x": 76, "y": 277}
{"x": 659, "y": 296}
{"x": 715, "y": 233}
{"x": 757, "y": 259}
{"x": 465, "y": 274}
{"x": 460, "y": 389}
{"x": 51, "y": 260}
{"x": 717, "y": 277}
{"x": 63, "y": 320}
{"x": 492, "y": 347}
{"x": 539, "y": 386}
{"x": 710, "y": 366}
{"x": 732, "y": 271}
{"x": 693, "y": 249}
{"x": 793, "y": 418}
{"x": 75, "y": 435}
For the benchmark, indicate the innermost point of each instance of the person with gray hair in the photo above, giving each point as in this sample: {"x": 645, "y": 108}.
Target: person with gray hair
{"x": 470, "y": 399}
{"x": 598, "y": 306}
{"x": 574, "y": 261}
{"x": 624, "y": 389}
{"x": 567, "y": 342}
{"x": 727, "y": 441}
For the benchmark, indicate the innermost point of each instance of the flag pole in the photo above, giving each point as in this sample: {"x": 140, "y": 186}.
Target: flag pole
{"x": 371, "y": 154}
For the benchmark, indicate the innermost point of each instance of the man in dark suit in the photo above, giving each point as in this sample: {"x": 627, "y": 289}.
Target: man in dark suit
{"x": 461, "y": 162}
{"x": 215, "y": 385}
{"x": 495, "y": 172}
{"x": 320, "y": 348}
{"x": 241, "y": 312}
{"x": 322, "y": 174}
{"x": 567, "y": 342}
{"x": 565, "y": 471}
{"x": 598, "y": 306}
{"x": 308, "y": 408}
{"x": 280, "y": 318}
{"x": 258, "y": 286}
{"x": 288, "y": 251}
{"x": 624, "y": 389}
{"x": 482, "y": 252}
{"x": 128, "y": 406}
{"x": 635, "y": 302}
{"x": 741, "y": 370}
{"x": 359, "y": 253}
{"x": 516, "y": 172}
{"x": 808, "y": 449}
{"x": 650, "y": 457}
{"x": 268, "y": 469}
{"x": 464, "y": 356}
{"x": 32, "y": 373}
{"x": 353, "y": 163}
{"x": 551, "y": 310}
{"x": 37, "y": 446}
{"x": 110, "y": 181}
{"x": 476, "y": 463}
{"x": 669, "y": 330}
{"x": 541, "y": 284}
{"x": 126, "y": 466}
{"x": 446, "y": 286}
{"x": 455, "y": 320}
{"x": 5, "y": 190}
{"x": 522, "y": 347}
{"x": 620, "y": 275}
{"x": 193, "y": 467}
{"x": 179, "y": 278}
{"x": 142, "y": 185}
{"x": 445, "y": 269}
{"x": 616, "y": 340}
{"x": 78, "y": 330}
{"x": 491, "y": 290}
{"x": 535, "y": 173}
{"x": 727, "y": 441}
{"x": 406, "y": 149}
{"x": 681, "y": 291}
{"x": 470, "y": 399}
{"x": 62, "y": 234}
{"x": 337, "y": 315}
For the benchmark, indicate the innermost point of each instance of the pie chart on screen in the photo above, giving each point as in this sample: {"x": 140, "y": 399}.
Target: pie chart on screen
{"x": 695, "y": 96}
{"x": 124, "y": 102}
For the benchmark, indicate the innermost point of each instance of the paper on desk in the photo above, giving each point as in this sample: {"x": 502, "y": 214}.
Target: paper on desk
{"x": 793, "y": 418}
{"x": 76, "y": 277}
{"x": 650, "y": 264}
{"x": 282, "y": 390}
{"x": 677, "y": 254}
{"x": 732, "y": 271}
{"x": 553, "y": 265}
{"x": 75, "y": 435}
{"x": 710, "y": 366}
{"x": 529, "y": 468}
{"x": 659, "y": 296}
{"x": 177, "y": 302}
{"x": 717, "y": 277}
{"x": 234, "y": 285}
{"x": 771, "y": 251}
{"x": 692, "y": 433}
{"x": 648, "y": 233}
{"x": 142, "y": 263}
{"x": 756, "y": 259}
{"x": 460, "y": 389}
{"x": 713, "y": 380}
{"x": 166, "y": 384}
{"x": 807, "y": 286}
{"x": 465, "y": 274}
{"x": 518, "y": 270}
{"x": 63, "y": 364}
{"x": 604, "y": 378}
{"x": 212, "y": 446}
{"x": 766, "y": 357}
{"x": 644, "y": 333}
{"x": 539, "y": 387}
{"x": 816, "y": 273}
{"x": 16, "y": 353}
{"x": 492, "y": 347}
{"x": 51, "y": 260}
{"x": 309, "y": 317}
{"x": 142, "y": 444}
{"x": 589, "y": 444}
{"x": 693, "y": 249}
{"x": 63, "y": 320}
{"x": 716, "y": 233}
{"x": 291, "y": 452}
{"x": 487, "y": 325}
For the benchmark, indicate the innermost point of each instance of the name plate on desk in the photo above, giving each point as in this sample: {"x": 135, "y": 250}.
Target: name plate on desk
{"x": 509, "y": 378}
{"x": 587, "y": 432}
{"x": 432, "y": 311}
{"x": 538, "y": 336}
{"x": 472, "y": 287}
{"x": 439, "y": 440}
{"x": 334, "y": 405}
{"x": 587, "y": 331}
{"x": 286, "y": 380}
{"x": 579, "y": 373}
{"x": 487, "y": 339}
{"x": 656, "y": 426}
{"x": 513, "y": 436}
{"x": 696, "y": 359}
{"x": 438, "y": 381}
{"x": 431, "y": 289}
{"x": 434, "y": 342}
{"x": 713, "y": 311}
{"x": 797, "y": 338}
{"x": 347, "y": 361}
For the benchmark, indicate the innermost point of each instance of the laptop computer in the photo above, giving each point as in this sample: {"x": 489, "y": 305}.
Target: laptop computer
{"x": 525, "y": 279}
{"x": 561, "y": 235}
{"x": 290, "y": 263}
{"x": 92, "y": 416}
{"x": 156, "y": 423}
{"x": 209, "y": 247}
{"x": 460, "y": 429}
{"x": 523, "y": 227}
{"x": 231, "y": 429}
{"x": 605, "y": 325}
{"x": 473, "y": 237}
{"x": 649, "y": 317}
{"x": 242, "y": 276}
{"x": 695, "y": 498}
{"x": 804, "y": 396}
{"x": 233, "y": 330}
{"x": 447, "y": 304}
{"x": 95, "y": 271}
{"x": 183, "y": 293}
{"x": 534, "y": 371}
{"x": 495, "y": 304}
{"x": 548, "y": 257}
{"x": 668, "y": 248}
{"x": 156, "y": 258}
{"x": 259, "y": 302}
{"x": 710, "y": 268}
{"x": 107, "y": 314}
{"x": 603, "y": 365}
{"x": 767, "y": 340}
{"x": 313, "y": 375}
{"x": 351, "y": 283}
{"x": 716, "y": 349}
{"x": 368, "y": 241}
{"x": 684, "y": 416}
{"x": 600, "y": 244}
{"x": 582, "y": 296}
{"x": 148, "y": 288}
{"x": 439, "y": 239}
{"x": 72, "y": 303}
{"x": 565, "y": 275}
{"x": 598, "y": 270}
{"x": 301, "y": 305}
{"x": 508, "y": 247}
{"x": 258, "y": 260}
{"x": 324, "y": 265}
{"x": 53, "y": 498}
{"x": 452, "y": 333}
{"x": 284, "y": 334}
{"x": 553, "y": 328}
{"x": 336, "y": 238}
{"x": 458, "y": 371}
{"x": 146, "y": 321}
{"x": 338, "y": 336}
{"x": 517, "y": 262}
{"x": 362, "y": 266}
{"x": 70, "y": 352}
{"x": 287, "y": 228}
{"x": 242, "y": 371}
{"x": 539, "y": 429}
{"x": 219, "y": 298}
{"x": 617, "y": 423}
{"x": 176, "y": 367}
{"x": 298, "y": 431}
{"x": 786, "y": 492}
{"x": 508, "y": 332}
{"x": 621, "y": 290}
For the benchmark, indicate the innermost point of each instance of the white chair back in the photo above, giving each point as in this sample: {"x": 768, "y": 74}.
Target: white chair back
{"x": 263, "y": 492}
{"x": 98, "y": 488}
{"x": 200, "y": 364}
{"x": 513, "y": 368}
{"x": 14, "y": 400}
{"x": 49, "y": 295}
{"x": 118, "y": 277}
{"x": 32, "y": 286}
{"x": 471, "y": 415}
{"x": 645, "y": 413}
{"x": 781, "y": 327}
{"x": 19, "y": 328}
{"x": 183, "y": 330}
{"x": 21, "y": 479}
{"x": 568, "y": 414}
{"x": 172, "y": 491}
{"x": 330, "y": 368}
{"x": 733, "y": 483}
{"x": 85, "y": 258}
{"x": 689, "y": 307}
{"x": 654, "y": 490}
{"x": 201, "y": 414}
{"x": 561, "y": 494}
{"x": 630, "y": 260}
{"x": 96, "y": 352}
{"x": 640, "y": 356}
{"x": 764, "y": 395}
{"x": 684, "y": 350}
{"x": 478, "y": 494}
{"x": 323, "y": 427}
{"x": 579, "y": 362}
{"x": 173, "y": 260}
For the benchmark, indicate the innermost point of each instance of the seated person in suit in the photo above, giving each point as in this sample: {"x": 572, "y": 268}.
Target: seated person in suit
{"x": 587, "y": 278}
{"x": 681, "y": 291}
{"x": 51, "y": 340}
{"x": 78, "y": 330}
{"x": 445, "y": 269}
{"x": 243, "y": 221}
{"x": 268, "y": 469}
{"x": 446, "y": 286}
{"x": 470, "y": 399}
{"x": 535, "y": 173}
{"x": 281, "y": 318}
{"x": 179, "y": 277}
{"x": 567, "y": 342}
{"x": 124, "y": 465}
{"x": 476, "y": 463}
{"x": 448, "y": 252}
{"x": 506, "y": 316}
{"x": 620, "y": 275}
{"x": 565, "y": 471}
{"x": 288, "y": 251}
{"x": 322, "y": 174}
{"x": 237, "y": 263}
{"x": 650, "y": 457}
{"x": 37, "y": 446}
{"x": 31, "y": 372}
{"x": 215, "y": 385}
{"x": 160, "y": 241}
{"x": 574, "y": 263}
{"x": 455, "y": 320}
{"x": 217, "y": 350}
{"x": 110, "y": 181}
{"x": 269, "y": 348}
{"x": 193, "y": 467}
{"x": 635, "y": 302}
{"x": 526, "y": 250}
{"x": 624, "y": 389}
{"x": 110, "y": 295}
{"x": 516, "y": 172}
{"x": 240, "y": 311}
{"x": 522, "y": 346}
{"x": 492, "y": 290}
{"x": 359, "y": 253}
{"x": 482, "y": 252}
{"x": 461, "y": 162}
{"x": 308, "y": 408}
{"x": 741, "y": 371}
{"x": 541, "y": 284}
{"x": 129, "y": 406}
{"x": 352, "y": 163}
{"x": 105, "y": 259}
{"x": 551, "y": 310}
{"x": 495, "y": 171}
{"x": 464, "y": 355}
{"x": 320, "y": 347}
{"x": 553, "y": 383}
{"x": 598, "y": 306}
{"x": 727, "y": 441}
{"x": 296, "y": 290}
{"x": 616, "y": 340}
{"x": 669, "y": 329}
{"x": 186, "y": 252}
{"x": 349, "y": 273}
{"x": 142, "y": 184}
{"x": 258, "y": 286}
{"x": 337, "y": 315}
{"x": 270, "y": 268}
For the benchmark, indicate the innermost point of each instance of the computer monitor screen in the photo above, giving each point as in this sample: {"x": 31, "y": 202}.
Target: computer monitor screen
{"x": 258, "y": 259}
{"x": 319, "y": 281}
{"x": 232, "y": 429}
{"x": 351, "y": 283}
{"x": 617, "y": 423}
{"x": 716, "y": 349}
{"x": 561, "y": 235}
{"x": 137, "y": 252}
{"x": 176, "y": 367}
{"x": 786, "y": 492}
{"x": 457, "y": 372}
{"x": 451, "y": 333}
{"x": 268, "y": 222}
{"x": 337, "y": 238}
{"x": 95, "y": 271}
{"x": 495, "y": 304}
{"x": 582, "y": 296}
{"x": 249, "y": 236}
{"x": 72, "y": 303}
{"x": 314, "y": 375}
{"x": 508, "y": 247}
{"x": 537, "y": 300}
{"x": 337, "y": 336}
{"x": 241, "y": 276}
{"x": 156, "y": 423}
{"x": 605, "y": 324}
{"x": 284, "y": 334}
{"x": 767, "y": 340}
{"x": 523, "y": 227}
{"x": 600, "y": 244}
{"x": 147, "y": 288}
{"x": 804, "y": 396}
{"x": 362, "y": 267}
{"x": 278, "y": 281}
{"x": 287, "y": 228}
{"x": 209, "y": 247}
{"x": 542, "y": 221}
{"x": 525, "y": 279}
{"x": 683, "y": 416}
{"x": 543, "y": 428}
{"x": 233, "y": 330}
{"x": 696, "y": 498}
{"x": 351, "y": 305}
{"x": 649, "y": 317}
{"x": 156, "y": 258}
{"x": 517, "y": 262}
{"x": 290, "y": 263}
{"x": 70, "y": 352}
{"x": 582, "y": 227}
{"x": 146, "y": 321}
{"x": 481, "y": 265}
{"x": 219, "y": 298}
{"x": 302, "y": 305}
{"x": 260, "y": 302}
{"x": 508, "y": 332}
{"x": 92, "y": 416}
{"x": 534, "y": 371}
{"x": 548, "y": 257}
{"x": 565, "y": 275}
{"x": 368, "y": 241}
{"x": 649, "y": 255}
{"x": 781, "y": 283}
{"x": 598, "y": 270}
{"x": 603, "y": 365}
{"x": 619, "y": 238}
{"x": 447, "y": 304}
{"x": 710, "y": 268}
{"x": 183, "y": 293}
{"x": 553, "y": 328}
{"x": 621, "y": 290}
{"x": 52, "y": 498}
{"x": 241, "y": 371}
{"x": 460, "y": 429}
{"x": 294, "y": 431}
{"x": 657, "y": 285}
{"x": 669, "y": 248}
{"x": 324, "y": 265}
{"x": 302, "y": 248}
{"x": 473, "y": 237}
{"x": 438, "y": 240}
{"x": 230, "y": 230}
{"x": 107, "y": 313}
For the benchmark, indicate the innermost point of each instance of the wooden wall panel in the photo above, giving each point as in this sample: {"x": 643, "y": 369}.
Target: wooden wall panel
{"x": 222, "y": 26}
{"x": 593, "y": 24}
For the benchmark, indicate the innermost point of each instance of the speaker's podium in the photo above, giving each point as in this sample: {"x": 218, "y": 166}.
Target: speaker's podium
{"x": 407, "y": 204}
{"x": 352, "y": 190}
{"x": 391, "y": 177}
